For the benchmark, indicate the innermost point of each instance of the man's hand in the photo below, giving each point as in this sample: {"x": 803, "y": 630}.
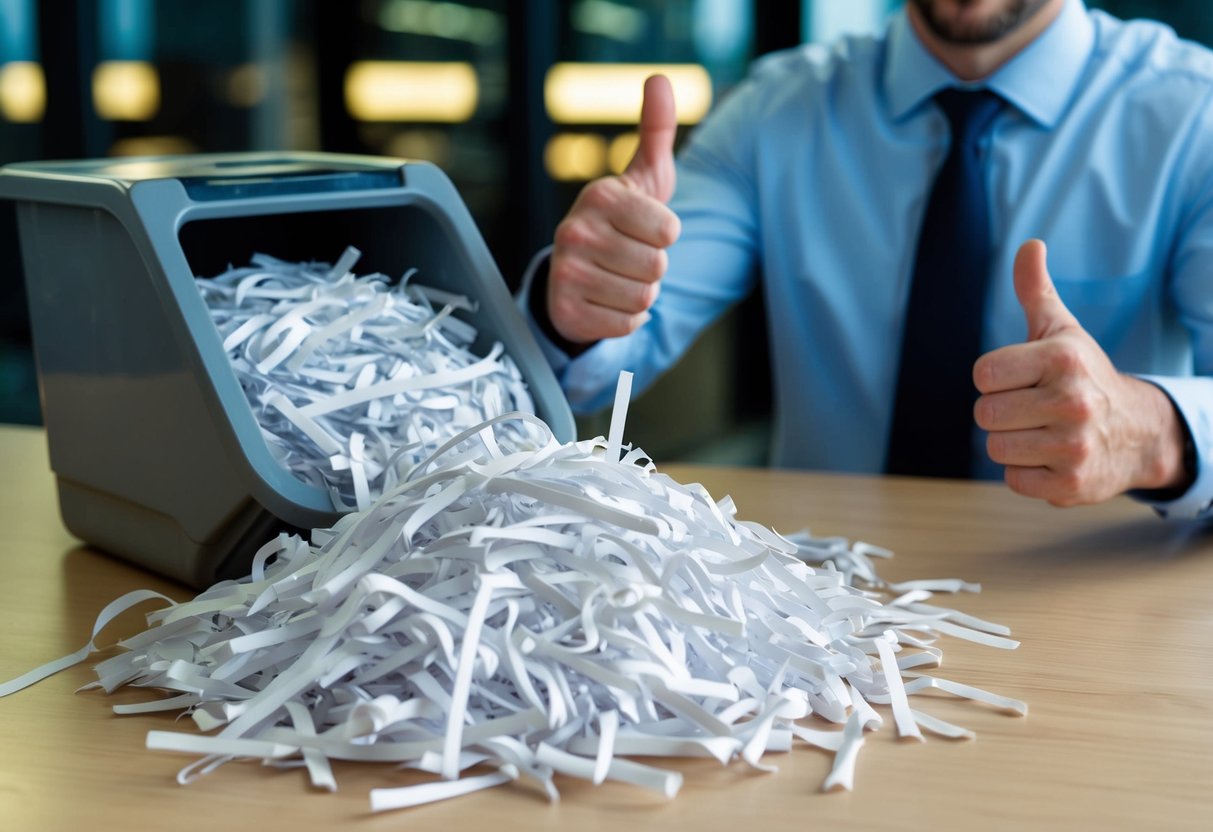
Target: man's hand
{"x": 609, "y": 252}
{"x": 1070, "y": 428}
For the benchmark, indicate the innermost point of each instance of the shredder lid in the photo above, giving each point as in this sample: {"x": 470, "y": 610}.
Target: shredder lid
{"x": 133, "y": 169}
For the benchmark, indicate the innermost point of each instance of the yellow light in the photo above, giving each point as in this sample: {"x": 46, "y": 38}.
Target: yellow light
{"x": 246, "y": 85}
{"x": 444, "y": 92}
{"x": 432, "y": 145}
{"x": 622, "y": 149}
{"x": 152, "y": 146}
{"x": 612, "y": 93}
{"x": 22, "y": 92}
{"x": 126, "y": 90}
{"x": 575, "y": 157}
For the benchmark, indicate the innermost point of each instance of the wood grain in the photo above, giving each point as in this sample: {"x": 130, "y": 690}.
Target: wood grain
{"x": 1114, "y": 608}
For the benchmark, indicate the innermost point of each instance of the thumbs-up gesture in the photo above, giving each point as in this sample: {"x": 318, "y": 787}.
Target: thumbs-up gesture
{"x": 609, "y": 252}
{"x": 1070, "y": 428}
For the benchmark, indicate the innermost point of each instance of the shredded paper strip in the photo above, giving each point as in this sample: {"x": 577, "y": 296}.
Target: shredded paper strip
{"x": 354, "y": 380}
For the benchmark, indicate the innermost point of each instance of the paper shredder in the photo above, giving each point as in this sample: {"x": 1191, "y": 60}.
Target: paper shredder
{"x": 157, "y": 455}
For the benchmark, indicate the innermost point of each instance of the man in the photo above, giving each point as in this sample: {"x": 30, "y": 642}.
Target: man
{"x": 821, "y": 171}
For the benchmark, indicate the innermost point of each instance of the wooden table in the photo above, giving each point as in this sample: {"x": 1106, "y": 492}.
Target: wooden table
{"x": 1114, "y": 608}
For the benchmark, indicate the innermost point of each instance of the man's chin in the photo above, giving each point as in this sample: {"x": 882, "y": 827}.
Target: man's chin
{"x": 967, "y": 24}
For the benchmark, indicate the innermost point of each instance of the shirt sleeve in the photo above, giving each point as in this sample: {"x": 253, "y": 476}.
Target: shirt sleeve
{"x": 1192, "y": 398}
{"x": 1191, "y": 290}
{"x": 556, "y": 357}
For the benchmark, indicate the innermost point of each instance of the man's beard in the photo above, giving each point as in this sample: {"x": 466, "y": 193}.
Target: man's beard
{"x": 988, "y": 30}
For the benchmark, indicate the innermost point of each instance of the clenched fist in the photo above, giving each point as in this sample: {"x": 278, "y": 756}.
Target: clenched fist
{"x": 609, "y": 253}
{"x": 1070, "y": 428}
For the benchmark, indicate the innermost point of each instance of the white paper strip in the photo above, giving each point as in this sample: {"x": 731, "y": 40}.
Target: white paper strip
{"x": 842, "y": 775}
{"x": 623, "y": 395}
{"x": 112, "y": 610}
{"x": 407, "y": 796}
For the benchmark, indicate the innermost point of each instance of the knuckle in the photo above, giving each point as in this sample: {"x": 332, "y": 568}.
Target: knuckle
{"x": 1074, "y": 450}
{"x": 669, "y": 229}
{"x": 629, "y": 298}
{"x": 1082, "y": 408}
{"x": 564, "y": 311}
{"x": 634, "y": 323}
{"x": 1068, "y": 484}
{"x": 620, "y": 324}
{"x": 655, "y": 261}
{"x": 985, "y": 413}
{"x": 651, "y": 293}
{"x": 638, "y": 300}
{"x": 640, "y": 297}
{"x": 600, "y": 194}
{"x": 568, "y": 274}
{"x": 1077, "y": 404}
{"x": 1017, "y": 481}
{"x": 1066, "y": 358}
{"x": 573, "y": 232}
{"x": 985, "y": 373}
{"x": 996, "y": 447}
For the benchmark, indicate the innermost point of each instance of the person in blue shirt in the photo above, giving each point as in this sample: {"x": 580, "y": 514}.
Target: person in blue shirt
{"x": 815, "y": 174}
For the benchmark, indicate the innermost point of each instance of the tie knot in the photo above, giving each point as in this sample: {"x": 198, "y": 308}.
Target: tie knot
{"x": 970, "y": 112}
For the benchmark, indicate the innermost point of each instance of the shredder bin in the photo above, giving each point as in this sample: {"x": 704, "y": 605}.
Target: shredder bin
{"x": 157, "y": 455}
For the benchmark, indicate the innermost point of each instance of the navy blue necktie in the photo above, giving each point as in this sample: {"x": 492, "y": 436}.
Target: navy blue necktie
{"x": 932, "y": 430}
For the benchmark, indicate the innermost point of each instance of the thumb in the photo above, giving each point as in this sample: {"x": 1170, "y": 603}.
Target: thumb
{"x": 1042, "y": 306}
{"x": 652, "y": 168}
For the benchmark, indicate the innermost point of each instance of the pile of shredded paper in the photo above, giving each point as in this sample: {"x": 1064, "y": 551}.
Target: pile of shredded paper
{"x": 519, "y": 608}
{"x": 505, "y": 606}
{"x": 355, "y": 379}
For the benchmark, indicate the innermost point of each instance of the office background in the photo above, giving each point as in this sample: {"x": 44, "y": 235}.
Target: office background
{"x": 491, "y": 91}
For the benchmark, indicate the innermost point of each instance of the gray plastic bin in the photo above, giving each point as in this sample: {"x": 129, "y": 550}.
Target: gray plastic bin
{"x": 157, "y": 454}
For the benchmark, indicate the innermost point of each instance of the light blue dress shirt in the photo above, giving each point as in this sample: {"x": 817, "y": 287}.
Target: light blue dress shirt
{"x": 814, "y": 173}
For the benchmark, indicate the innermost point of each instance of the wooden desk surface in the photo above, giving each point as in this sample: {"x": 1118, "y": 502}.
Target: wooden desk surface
{"x": 1114, "y": 608}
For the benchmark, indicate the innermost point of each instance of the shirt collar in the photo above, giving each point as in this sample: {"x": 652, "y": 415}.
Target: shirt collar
{"x": 1038, "y": 81}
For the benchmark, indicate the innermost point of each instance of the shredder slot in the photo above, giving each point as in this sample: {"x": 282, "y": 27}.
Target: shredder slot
{"x": 210, "y": 188}
{"x": 393, "y": 240}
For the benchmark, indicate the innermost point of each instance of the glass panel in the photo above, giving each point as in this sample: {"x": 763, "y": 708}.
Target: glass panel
{"x": 429, "y": 80}
{"x": 192, "y": 77}
{"x": 824, "y": 21}
{"x": 1189, "y": 18}
{"x": 608, "y": 47}
{"x": 22, "y": 106}
{"x": 22, "y": 81}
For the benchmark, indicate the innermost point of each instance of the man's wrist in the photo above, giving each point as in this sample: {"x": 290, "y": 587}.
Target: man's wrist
{"x": 1188, "y": 478}
{"x": 537, "y": 303}
{"x": 1184, "y": 475}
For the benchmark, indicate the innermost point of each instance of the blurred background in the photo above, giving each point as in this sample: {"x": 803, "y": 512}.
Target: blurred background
{"x": 520, "y": 101}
